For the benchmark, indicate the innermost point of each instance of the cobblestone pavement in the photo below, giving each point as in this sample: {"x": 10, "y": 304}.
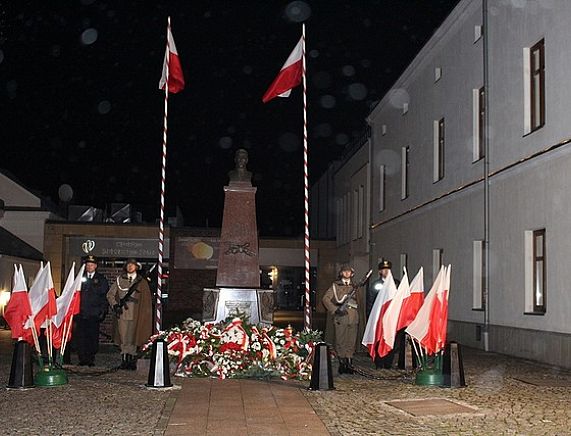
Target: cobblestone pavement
{"x": 505, "y": 405}
{"x": 103, "y": 403}
{"x": 116, "y": 403}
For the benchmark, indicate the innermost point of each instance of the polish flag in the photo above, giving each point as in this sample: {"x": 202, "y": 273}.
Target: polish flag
{"x": 439, "y": 316}
{"x": 66, "y": 305}
{"x": 172, "y": 64}
{"x": 289, "y": 76}
{"x": 412, "y": 301}
{"x": 42, "y": 297}
{"x": 374, "y": 328}
{"x": 421, "y": 329}
{"x": 18, "y": 309}
{"x": 391, "y": 317}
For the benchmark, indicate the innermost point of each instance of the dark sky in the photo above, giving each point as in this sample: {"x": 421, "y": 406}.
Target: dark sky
{"x": 79, "y": 98}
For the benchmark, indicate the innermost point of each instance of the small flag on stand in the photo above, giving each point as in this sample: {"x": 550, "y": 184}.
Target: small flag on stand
{"x": 18, "y": 309}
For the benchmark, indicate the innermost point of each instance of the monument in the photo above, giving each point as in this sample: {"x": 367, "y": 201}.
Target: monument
{"x": 238, "y": 276}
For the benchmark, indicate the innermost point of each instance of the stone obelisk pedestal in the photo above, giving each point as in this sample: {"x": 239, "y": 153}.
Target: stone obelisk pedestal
{"x": 238, "y": 264}
{"x": 238, "y": 276}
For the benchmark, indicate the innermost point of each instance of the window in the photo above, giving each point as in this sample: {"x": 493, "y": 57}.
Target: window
{"x": 355, "y": 215}
{"x": 383, "y": 129}
{"x": 537, "y": 63}
{"x": 437, "y": 74}
{"x": 339, "y": 208}
{"x": 534, "y": 87}
{"x": 437, "y": 258}
{"x": 535, "y": 271}
{"x": 478, "y": 296}
{"x": 477, "y": 33}
{"x": 404, "y": 264}
{"x": 479, "y": 119}
{"x": 381, "y": 188}
{"x": 404, "y": 108}
{"x": 361, "y": 211}
{"x": 404, "y": 173}
{"x": 438, "y": 169}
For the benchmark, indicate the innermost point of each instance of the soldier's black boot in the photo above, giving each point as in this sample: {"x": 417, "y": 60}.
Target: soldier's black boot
{"x": 123, "y": 361}
{"x": 342, "y": 366}
{"x": 350, "y": 369}
{"x": 131, "y": 362}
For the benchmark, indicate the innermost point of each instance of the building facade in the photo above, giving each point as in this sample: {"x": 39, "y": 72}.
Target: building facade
{"x": 467, "y": 164}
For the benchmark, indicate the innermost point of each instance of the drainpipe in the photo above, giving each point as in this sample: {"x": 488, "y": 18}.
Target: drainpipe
{"x": 486, "y": 333}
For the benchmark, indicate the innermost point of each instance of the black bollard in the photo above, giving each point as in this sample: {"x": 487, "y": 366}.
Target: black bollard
{"x": 21, "y": 375}
{"x": 453, "y": 367}
{"x": 159, "y": 371}
{"x": 321, "y": 374}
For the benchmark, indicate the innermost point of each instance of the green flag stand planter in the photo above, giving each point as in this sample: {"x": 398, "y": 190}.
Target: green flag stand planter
{"x": 430, "y": 373}
{"x": 49, "y": 377}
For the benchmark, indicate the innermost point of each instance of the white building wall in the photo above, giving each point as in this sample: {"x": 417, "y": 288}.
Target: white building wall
{"x": 27, "y": 225}
{"x": 15, "y": 195}
{"x": 529, "y": 185}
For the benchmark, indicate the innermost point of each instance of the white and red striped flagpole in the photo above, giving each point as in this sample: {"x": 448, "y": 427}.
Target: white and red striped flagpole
{"x": 307, "y": 311}
{"x": 159, "y": 308}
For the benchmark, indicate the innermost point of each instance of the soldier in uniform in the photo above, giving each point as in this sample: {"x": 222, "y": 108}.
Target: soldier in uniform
{"x": 346, "y": 324}
{"x": 130, "y": 298}
{"x": 376, "y": 285}
{"x": 373, "y": 291}
{"x": 92, "y": 310}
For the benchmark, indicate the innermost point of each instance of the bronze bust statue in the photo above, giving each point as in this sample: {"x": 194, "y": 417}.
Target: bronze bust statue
{"x": 240, "y": 173}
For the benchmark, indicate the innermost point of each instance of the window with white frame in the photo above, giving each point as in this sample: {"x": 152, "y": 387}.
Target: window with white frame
{"x": 437, "y": 260}
{"x": 477, "y": 33}
{"x": 361, "y": 216}
{"x": 534, "y": 87}
{"x": 404, "y": 172}
{"x": 355, "y": 215}
{"x": 478, "y": 268}
{"x": 404, "y": 264}
{"x": 381, "y": 188}
{"x": 437, "y": 74}
{"x": 478, "y": 123}
{"x": 535, "y": 272}
{"x": 438, "y": 150}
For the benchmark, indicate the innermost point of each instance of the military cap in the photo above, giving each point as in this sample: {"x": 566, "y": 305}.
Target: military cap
{"x": 385, "y": 264}
{"x": 90, "y": 259}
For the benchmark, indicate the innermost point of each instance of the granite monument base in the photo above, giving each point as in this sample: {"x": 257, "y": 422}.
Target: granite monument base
{"x": 256, "y": 304}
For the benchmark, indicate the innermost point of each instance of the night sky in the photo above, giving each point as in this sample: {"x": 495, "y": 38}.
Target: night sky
{"x": 80, "y": 104}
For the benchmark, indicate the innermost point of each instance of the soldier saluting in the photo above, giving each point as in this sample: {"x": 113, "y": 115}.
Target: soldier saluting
{"x": 130, "y": 298}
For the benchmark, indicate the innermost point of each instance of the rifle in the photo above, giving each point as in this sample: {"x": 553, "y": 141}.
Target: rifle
{"x": 343, "y": 308}
{"x": 122, "y": 304}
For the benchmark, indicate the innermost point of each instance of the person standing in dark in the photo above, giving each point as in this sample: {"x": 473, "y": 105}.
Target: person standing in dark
{"x": 378, "y": 287}
{"x": 346, "y": 323}
{"x": 93, "y": 309}
{"x": 131, "y": 300}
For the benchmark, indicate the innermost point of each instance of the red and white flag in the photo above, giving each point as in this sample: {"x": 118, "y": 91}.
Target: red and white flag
{"x": 66, "y": 305}
{"x": 422, "y": 329}
{"x": 412, "y": 301}
{"x": 391, "y": 318}
{"x": 374, "y": 328}
{"x": 439, "y": 316}
{"x": 42, "y": 297}
{"x": 18, "y": 309}
{"x": 172, "y": 67}
{"x": 289, "y": 76}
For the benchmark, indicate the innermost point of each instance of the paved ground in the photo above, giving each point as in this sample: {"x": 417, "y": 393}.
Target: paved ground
{"x": 242, "y": 407}
{"x": 505, "y": 405}
{"x": 98, "y": 402}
